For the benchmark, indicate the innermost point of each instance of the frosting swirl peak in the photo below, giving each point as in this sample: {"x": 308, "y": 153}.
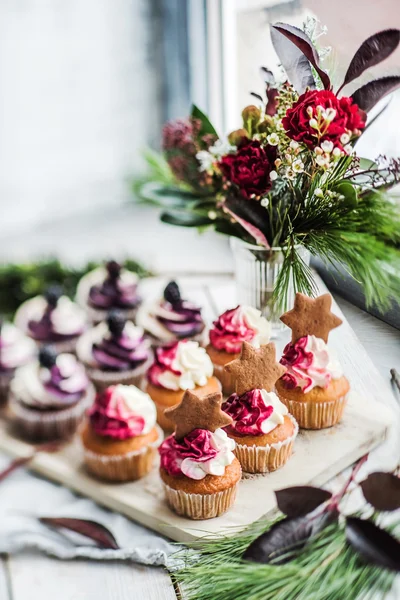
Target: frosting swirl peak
{"x": 238, "y": 325}
{"x": 180, "y": 317}
{"x": 256, "y": 412}
{"x": 16, "y": 349}
{"x": 118, "y": 289}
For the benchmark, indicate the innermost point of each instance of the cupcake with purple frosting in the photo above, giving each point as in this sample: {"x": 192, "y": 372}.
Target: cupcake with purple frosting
{"x": 107, "y": 288}
{"x": 16, "y": 350}
{"x": 115, "y": 351}
{"x": 49, "y": 397}
{"x": 52, "y": 319}
{"x": 171, "y": 318}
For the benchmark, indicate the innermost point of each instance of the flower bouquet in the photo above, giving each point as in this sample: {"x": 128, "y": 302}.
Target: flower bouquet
{"x": 289, "y": 182}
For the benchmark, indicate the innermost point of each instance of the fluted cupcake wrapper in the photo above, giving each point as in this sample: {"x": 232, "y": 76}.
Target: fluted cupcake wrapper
{"x": 200, "y": 506}
{"x": 316, "y": 415}
{"x": 123, "y": 467}
{"x": 103, "y": 379}
{"x": 37, "y": 425}
{"x": 264, "y": 459}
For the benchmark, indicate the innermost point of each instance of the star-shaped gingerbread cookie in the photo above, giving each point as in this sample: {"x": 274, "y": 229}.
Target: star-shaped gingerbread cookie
{"x": 311, "y": 316}
{"x": 195, "y": 412}
{"x": 256, "y": 368}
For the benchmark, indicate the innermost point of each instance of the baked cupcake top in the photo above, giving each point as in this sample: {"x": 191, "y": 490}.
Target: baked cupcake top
{"x": 171, "y": 317}
{"x": 51, "y": 317}
{"x": 181, "y": 365}
{"x": 113, "y": 287}
{"x": 254, "y": 407}
{"x": 238, "y": 325}
{"x": 53, "y": 382}
{"x": 114, "y": 345}
{"x": 122, "y": 412}
{"x": 307, "y": 358}
{"x": 199, "y": 446}
{"x": 16, "y": 349}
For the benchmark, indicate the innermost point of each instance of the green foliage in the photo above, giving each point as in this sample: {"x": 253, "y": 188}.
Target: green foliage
{"x": 206, "y": 125}
{"x": 22, "y": 281}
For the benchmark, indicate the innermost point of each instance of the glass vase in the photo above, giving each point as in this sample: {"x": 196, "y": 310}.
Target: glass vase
{"x": 256, "y": 273}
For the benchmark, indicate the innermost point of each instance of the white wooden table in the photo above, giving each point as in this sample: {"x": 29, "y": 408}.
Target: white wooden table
{"x": 29, "y": 576}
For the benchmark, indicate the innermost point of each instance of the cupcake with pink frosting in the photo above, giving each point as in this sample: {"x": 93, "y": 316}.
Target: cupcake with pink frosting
{"x": 115, "y": 351}
{"x": 52, "y": 319}
{"x": 16, "y": 350}
{"x": 121, "y": 436}
{"x": 229, "y": 331}
{"x": 171, "y": 317}
{"x": 178, "y": 367}
{"x": 48, "y": 398}
{"x": 107, "y": 288}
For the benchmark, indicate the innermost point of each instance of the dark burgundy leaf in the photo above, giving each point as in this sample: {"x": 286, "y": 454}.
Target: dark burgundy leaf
{"x": 300, "y": 500}
{"x": 382, "y": 490}
{"x": 250, "y": 215}
{"x": 95, "y": 531}
{"x": 306, "y": 47}
{"x": 296, "y": 65}
{"x": 369, "y": 94}
{"x": 375, "y": 545}
{"x": 282, "y": 542}
{"x": 371, "y": 52}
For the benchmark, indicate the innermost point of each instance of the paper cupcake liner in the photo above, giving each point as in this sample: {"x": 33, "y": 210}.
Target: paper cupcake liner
{"x": 264, "y": 459}
{"x": 37, "y": 425}
{"x": 200, "y": 506}
{"x": 103, "y": 379}
{"x": 225, "y": 379}
{"x": 123, "y": 467}
{"x": 316, "y": 415}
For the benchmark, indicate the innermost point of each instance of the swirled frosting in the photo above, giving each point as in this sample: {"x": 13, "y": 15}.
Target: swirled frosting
{"x": 238, "y": 325}
{"x": 182, "y": 320}
{"x": 117, "y": 288}
{"x": 61, "y": 385}
{"x": 121, "y": 412}
{"x": 16, "y": 349}
{"x": 198, "y": 454}
{"x": 51, "y": 323}
{"x": 180, "y": 366}
{"x": 310, "y": 363}
{"x": 102, "y": 349}
{"x": 256, "y": 412}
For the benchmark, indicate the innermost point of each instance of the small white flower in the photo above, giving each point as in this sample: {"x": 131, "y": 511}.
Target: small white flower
{"x": 278, "y": 163}
{"x": 298, "y": 166}
{"x": 273, "y": 139}
{"x": 327, "y": 146}
{"x": 212, "y": 215}
{"x": 294, "y": 145}
{"x": 314, "y": 123}
{"x": 330, "y": 114}
{"x": 221, "y": 148}
{"x": 318, "y": 150}
{"x": 337, "y": 152}
{"x": 264, "y": 202}
{"x": 319, "y": 193}
{"x": 290, "y": 174}
{"x": 273, "y": 175}
{"x": 322, "y": 161}
{"x": 348, "y": 149}
{"x": 205, "y": 159}
{"x": 344, "y": 138}
{"x": 309, "y": 111}
{"x": 320, "y": 110}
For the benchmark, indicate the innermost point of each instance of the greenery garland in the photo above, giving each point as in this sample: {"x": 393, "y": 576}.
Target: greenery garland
{"x": 20, "y": 281}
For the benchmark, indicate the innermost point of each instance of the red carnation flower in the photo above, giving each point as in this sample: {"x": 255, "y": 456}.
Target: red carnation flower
{"x": 249, "y": 167}
{"x": 319, "y": 116}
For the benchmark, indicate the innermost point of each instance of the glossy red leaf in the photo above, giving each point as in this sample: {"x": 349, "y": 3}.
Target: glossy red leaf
{"x": 95, "y": 531}
{"x": 373, "y": 544}
{"x": 369, "y": 94}
{"x": 382, "y": 490}
{"x": 300, "y": 500}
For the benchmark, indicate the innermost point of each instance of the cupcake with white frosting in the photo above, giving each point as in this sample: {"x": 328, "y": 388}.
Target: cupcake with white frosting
{"x": 178, "y": 367}
{"x": 229, "y": 331}
{"x": 121, "y": 436}
{"x": 171, "y": 318}
{"x": 115, "y": 351}
{"x": 52, "y": 319}
{"x": 107, "y": 288}
{"x": 48, "y": 398}
{"x": 16, "y": 350}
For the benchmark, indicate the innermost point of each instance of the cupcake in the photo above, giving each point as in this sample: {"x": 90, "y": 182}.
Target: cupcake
{"x": 171, "y": 318}
{"x": 120, "y": 437}
{"x": 106, "y": 288}
{"x": 229, "y": 331}
{"x": 178, "y": 367}
{"x": 313, "y": 388}
{"x": 199, "y": 471}
{"x": 52, "y": 319}
{"x": 49, "y": 397}
{"x": 262, "y": 427}
{"x": 16, "y": 350}
{"x": 114, "y": 352}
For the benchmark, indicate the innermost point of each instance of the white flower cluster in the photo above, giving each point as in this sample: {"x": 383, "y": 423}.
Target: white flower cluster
{"x": 207, "y": 158}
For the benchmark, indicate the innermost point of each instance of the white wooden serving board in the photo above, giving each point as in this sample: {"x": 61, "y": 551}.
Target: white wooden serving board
{"x": 318, "y": 455}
